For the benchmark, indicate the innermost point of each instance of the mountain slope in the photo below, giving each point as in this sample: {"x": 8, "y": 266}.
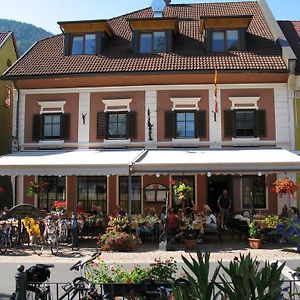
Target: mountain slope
{"x": 26, "y": 34}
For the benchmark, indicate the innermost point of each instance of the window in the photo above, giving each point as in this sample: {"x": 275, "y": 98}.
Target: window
{"x": 52, "y": 126}
{"x": 187, "y": 180}
{"x": 254, "y": 192}
{"x": 136, "y": 194}
{"x": 84, "y": 44}
{"x": 185, "y": 124}
{"x": 117, "y": 125}
{"x": 225, "y": 40}
{"x": 244, "y": 120}
{"x": 92, "y": 191}
{"x": 152, "y": 42}
{"x": 156, "y": 193}
{"x": 52, "y": 188}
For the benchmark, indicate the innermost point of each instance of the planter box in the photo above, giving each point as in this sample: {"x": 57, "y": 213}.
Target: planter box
{"x": 190, "y": 244}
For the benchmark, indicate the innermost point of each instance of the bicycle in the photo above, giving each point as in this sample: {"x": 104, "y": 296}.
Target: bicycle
{"x": 38, "y": 286}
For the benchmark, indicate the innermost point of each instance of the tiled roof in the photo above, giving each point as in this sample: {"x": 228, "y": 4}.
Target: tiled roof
{"x": 4, "y": 36}
{"x": 291, "y": 30}
{"x": 47, "y": 58}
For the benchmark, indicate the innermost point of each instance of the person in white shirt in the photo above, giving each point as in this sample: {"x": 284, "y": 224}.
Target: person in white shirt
{"x": 210, "y": 220}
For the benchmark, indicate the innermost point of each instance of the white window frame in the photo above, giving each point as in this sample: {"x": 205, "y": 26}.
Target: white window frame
{"x": 185, "y": 103}
{"x": 116, "y": 105}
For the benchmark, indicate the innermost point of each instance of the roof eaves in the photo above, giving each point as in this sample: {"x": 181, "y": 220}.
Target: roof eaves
{"x": 9, "y": 33}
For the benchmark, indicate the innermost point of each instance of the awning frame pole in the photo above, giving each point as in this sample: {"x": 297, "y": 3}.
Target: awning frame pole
{"x": 129, "y": 193}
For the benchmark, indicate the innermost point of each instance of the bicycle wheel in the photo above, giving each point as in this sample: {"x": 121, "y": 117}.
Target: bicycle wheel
{"x": 37, "y": 245}
{"x": 34, "y": 293}
{"x": 62, "y": 232}
{"x": 3, "y": 243}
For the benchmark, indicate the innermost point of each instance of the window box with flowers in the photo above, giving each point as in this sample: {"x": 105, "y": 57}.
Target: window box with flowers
{"x": 285, "y": 186}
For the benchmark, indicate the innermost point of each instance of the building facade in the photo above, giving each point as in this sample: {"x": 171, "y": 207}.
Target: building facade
{"x": 196, "y": 77}
{"x": 8, "y": 55}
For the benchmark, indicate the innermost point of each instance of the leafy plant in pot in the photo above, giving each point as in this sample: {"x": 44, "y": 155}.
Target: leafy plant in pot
{"x": 254, "y": 235}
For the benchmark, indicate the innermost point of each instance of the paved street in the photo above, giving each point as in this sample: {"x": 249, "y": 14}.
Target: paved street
{"x": 144, "y": 256}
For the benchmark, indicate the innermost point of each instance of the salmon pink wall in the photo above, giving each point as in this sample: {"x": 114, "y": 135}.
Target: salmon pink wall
{"x": 164, "y": 104}
{"x": 32, "y": 107}
{"x": 265, "y": 102}
{"x": 137, "y": 104}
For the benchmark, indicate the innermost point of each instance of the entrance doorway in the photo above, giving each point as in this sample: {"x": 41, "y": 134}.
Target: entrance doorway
{"x": 215, "y": 185}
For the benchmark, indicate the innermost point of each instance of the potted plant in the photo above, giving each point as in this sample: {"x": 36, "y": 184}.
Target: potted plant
{"x": 254, "y": 235}
{"x": 285, "y": 186}
{"x": 33, "y": 189}
{"x": 181, "y": 189}
{"x": 190, "y": 238}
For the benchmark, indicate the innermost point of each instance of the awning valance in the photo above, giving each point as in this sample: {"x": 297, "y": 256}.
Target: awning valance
{"x": 223, "y": 161}
{"x": 76, "y": 162}
{"x": 117, "y": 162}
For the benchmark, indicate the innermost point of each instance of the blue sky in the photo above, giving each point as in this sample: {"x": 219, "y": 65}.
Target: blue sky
{"x": 46, "y": 13}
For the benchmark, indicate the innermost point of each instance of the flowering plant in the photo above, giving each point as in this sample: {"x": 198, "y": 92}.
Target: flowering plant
{"x": 33, "y": 189}
{"x": 118, "y": 224}
{"x": 285, "y": 186}
{"x": 181, "y": 189}
{"x": 60, "y": 206}
{"x": 117, "y": 241}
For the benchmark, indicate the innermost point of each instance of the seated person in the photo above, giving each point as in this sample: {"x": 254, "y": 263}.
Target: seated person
{"x": 172, "y": 223}
{"x": 210, "y": 220}
{"x": 145, "y": 228}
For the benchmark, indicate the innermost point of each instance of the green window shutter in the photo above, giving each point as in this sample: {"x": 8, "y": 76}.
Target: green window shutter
{"x": 132, "y": 124}
{"x": 229, "y": 123}
{"x": 101, "y": 125}
{"x": 65, "y": 126}
{"x": 170, "y": 124}
{"x": 260, "y": 123}
{"x": 36, "y": 127}
{"x": 201, "y": 124}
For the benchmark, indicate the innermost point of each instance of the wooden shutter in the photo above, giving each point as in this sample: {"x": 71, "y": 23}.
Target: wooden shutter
{"x": 229, "y": 123}
{"x": 36, "y": 127}
{"x": 201, "y": 123}
{"x": 131, "y": 124}
{"x": 65, "y": 126}
{"x": 169, "y": 124}
{"x": 260, "y": 123}
{"x": 101, "y": 125}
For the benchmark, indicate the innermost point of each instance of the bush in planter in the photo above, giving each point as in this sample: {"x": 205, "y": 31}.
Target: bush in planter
{"x": 162, "y": 271}
{"x": 244, "y": 280}
{"x": 117, "y": 241}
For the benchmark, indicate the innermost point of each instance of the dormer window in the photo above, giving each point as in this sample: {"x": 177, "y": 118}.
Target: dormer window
{"x": 152, "y": 42}
{"x": 85, "y": 37}
{"x": 225, "y": 40}
{"x": 84, "y": 44}
{"x": 153, "y": 35}
{"x": 225, "y": 33}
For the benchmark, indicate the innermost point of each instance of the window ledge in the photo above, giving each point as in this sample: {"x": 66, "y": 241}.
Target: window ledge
{"x": 186, "y": 142}
{"x": 121, "y": 142}
{"x": 245, "y": 141}
{"x": 51, "y": 144}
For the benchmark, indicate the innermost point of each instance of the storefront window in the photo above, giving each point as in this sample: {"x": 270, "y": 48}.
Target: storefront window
{"x": 136, "y": 194}
{"x": 254, "y": 192}
{"x": 156, "y": 193}
{"x": 52, "y": 188}
{"x": 92, "y": 190}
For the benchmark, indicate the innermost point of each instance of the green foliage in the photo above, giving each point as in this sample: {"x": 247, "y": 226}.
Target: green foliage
{"x": 254, "y": 230}
{"x": 199, "y": 285}
{"x": 244, "y": 280}
{"x": 26, "y": 34}
{"x": 162, "y": 271}
{"x": 271, "y": 221}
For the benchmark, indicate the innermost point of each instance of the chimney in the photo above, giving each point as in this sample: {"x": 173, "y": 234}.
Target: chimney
{"x": 168, "y": 2}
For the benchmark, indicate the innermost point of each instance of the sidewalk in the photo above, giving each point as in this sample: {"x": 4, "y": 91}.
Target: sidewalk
{"x": 146, "y": 253}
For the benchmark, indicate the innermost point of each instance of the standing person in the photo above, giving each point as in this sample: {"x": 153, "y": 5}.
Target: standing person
{"x": 224, "y": 203}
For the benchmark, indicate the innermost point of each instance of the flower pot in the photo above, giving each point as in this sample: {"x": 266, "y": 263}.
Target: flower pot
{"x": 254, "y": 243}
{"x": 190, "y": 244}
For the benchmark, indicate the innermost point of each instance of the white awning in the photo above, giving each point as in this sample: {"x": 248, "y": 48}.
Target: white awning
{"x": 76, "y": 162}
{"x": 233, "y": 161}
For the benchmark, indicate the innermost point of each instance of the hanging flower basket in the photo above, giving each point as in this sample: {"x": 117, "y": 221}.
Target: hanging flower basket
{"x": 33, "y": 189}
{"x": 181, "y": 189}
{"x": 285, "y": 186}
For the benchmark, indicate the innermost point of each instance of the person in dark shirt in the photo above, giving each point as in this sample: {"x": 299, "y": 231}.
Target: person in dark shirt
{"x": 224, "y": 203}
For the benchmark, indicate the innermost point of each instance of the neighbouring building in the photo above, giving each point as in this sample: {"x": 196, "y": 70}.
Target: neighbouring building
{"x": 291, "y": 30}
{"x": 110, "y": 111}
{"x": 8, "y": 55}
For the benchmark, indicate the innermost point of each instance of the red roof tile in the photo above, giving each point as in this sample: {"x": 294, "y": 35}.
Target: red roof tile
{"x": 4, "y": 36}
{"x": 47, "y": 58}
{"x": 291, "y": 30}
